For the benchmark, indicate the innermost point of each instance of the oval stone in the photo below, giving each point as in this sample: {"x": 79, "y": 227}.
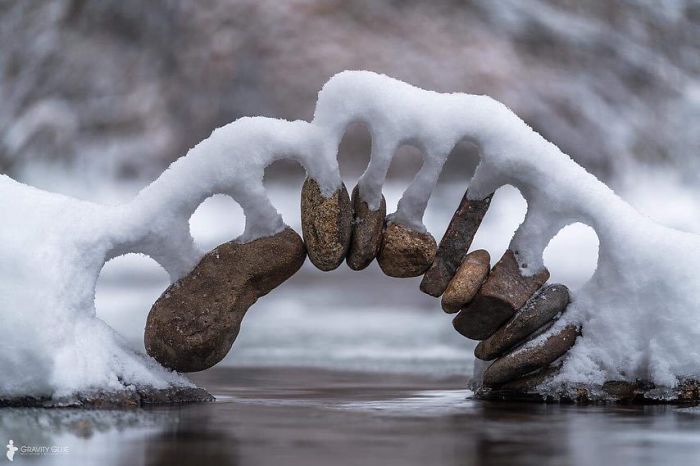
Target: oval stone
{"x": 469, "y": 277}
{"x": 326, "y": 224}
{"x": 367, "y": 229}
{"x": 530, "y": 358}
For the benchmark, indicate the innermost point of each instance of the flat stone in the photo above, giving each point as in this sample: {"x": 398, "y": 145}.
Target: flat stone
{"x": 133, "y": 398}
{"x": 505, "y": 291}
{"x": 523, "y": 389}
{"x": 367, "y": 229}
{"x": 326, "y": 224}
{"x": 455, "y": 244}
{"x": 470, "y": 275}
{"x": 405, "y": 252}
{"x": 195, "y": 321}
{"x": 529, "y": 358}
{"x": 539, "y": 310}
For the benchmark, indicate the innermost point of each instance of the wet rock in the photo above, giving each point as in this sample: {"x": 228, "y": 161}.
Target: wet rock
{"x": 506, "y": 290}
{"x": 135, "y": 398}
{"x": 623, "y": 390}
{"x": 326, "y": 225}
{"x": 523, "y": 389}
{"x": 195, "y": 321}
{"x": 454, "y": 244}
{"x": 367, "y": 229}
{"x": 539, "y": 310}
{"x": 530, "y": 358}
{"x": 405, "y": 252}
{"x": 470, "y": 275}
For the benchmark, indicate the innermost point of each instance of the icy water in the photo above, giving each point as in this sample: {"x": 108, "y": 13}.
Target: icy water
{"x": 296, "y": 416}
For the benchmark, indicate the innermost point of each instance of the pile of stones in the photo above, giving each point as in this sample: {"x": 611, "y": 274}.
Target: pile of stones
{"x": 193, "y": 324}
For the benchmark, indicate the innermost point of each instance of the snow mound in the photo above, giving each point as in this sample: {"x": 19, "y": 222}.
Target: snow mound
{"x": 638, "y": 311}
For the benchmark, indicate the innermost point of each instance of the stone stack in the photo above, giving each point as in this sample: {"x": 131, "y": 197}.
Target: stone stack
{"x": 194, "y": 323}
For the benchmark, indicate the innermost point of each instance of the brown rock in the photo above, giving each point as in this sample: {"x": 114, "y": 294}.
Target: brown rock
{"x": 521, "y": 389}
{"x": 539, "y": 310}
{"x": 455, "y": 244}
{"x": 505, "y": 291}
{"x": 527, "y": 359}
{"x": 367, "y": 228}
{"x": 326, "y": 225}
{"x": 470, "y": 275}
{"x": 405, "y": 252}
{"x": 195, "y": 321}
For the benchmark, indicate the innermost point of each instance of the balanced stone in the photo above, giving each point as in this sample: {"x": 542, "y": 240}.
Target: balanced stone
{"x": 367, "y": 228}
{"x": 470, "y": 275}
{"x": 455, "y": 244}
{"x": 195, "y": 321}
{"x": 530, "y": 357}
{"x": 521, "y": 389}
{"x": 326, "y": 224}
{"x": 505, "y": 291}
{"x": 405, "y": 252}
{"x": 538, "y": 311}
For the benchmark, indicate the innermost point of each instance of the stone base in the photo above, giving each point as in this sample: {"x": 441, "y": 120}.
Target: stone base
{"x": 640, "y": 392}
{"x": 126, "y": 399}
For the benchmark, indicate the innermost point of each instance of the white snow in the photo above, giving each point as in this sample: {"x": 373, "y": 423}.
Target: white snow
{"x": 638, "y": 311}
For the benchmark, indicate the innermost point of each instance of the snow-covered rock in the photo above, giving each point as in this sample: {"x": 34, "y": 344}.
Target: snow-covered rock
{"x": 638, "y": 312}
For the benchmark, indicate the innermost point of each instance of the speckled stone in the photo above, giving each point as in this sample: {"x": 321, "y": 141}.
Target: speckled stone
{"x": 538, "y": 311}
{"x": 326, "y": 225}
{"x": 505, "y": 291}
{"x": 195, "y": 321}
{"x": 405, "y": 252}
{"x": 367, "y": 229}
{"x": 470, "y": 275}
{"x": 454, "y": 244}
{"x": 529, "y": 358}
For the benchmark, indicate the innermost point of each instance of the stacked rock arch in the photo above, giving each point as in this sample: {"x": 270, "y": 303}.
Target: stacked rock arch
{"x": 194, "y": 323}
{"x": 509, "y": 307}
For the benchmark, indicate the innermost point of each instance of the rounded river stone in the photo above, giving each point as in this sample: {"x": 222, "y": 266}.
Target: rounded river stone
{"x": 195, "y": 321}
{"x": 326, "y": 224}
{"x": 367, "y": 229}
{"x": 405, "y": 252}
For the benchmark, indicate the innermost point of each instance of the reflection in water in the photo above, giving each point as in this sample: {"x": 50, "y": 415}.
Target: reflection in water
{"x": 304, "y": 417}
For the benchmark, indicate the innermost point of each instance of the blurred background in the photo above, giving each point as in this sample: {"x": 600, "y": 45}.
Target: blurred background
{"x": 99, "y": 97}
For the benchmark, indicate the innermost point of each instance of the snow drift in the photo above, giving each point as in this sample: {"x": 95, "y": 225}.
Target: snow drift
{"x": 638, "y": 311}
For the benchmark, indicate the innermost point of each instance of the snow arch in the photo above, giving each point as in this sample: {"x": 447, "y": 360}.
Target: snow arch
{"x": 638, "y": 311}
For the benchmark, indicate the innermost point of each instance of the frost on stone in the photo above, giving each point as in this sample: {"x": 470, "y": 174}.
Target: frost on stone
{"x": 638, "y": 312}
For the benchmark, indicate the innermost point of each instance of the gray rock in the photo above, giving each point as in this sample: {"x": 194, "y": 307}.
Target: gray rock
{"x": 326, "y": 225}
{"x": 505, "y": 291}
{"x": 367, "y": 229}
{"x": 195, "y": 321}
{"x": 455, "y": 244}
{"x": 539, "y": 310}
{"x": 470, "y": 275}
{"x": 530, "y": 358}
{"x": 405, "y": 252}
{"x": 124, "y": 399}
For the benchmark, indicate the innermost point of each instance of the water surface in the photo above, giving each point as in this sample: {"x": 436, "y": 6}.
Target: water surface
{"x": 297, "y": 416}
